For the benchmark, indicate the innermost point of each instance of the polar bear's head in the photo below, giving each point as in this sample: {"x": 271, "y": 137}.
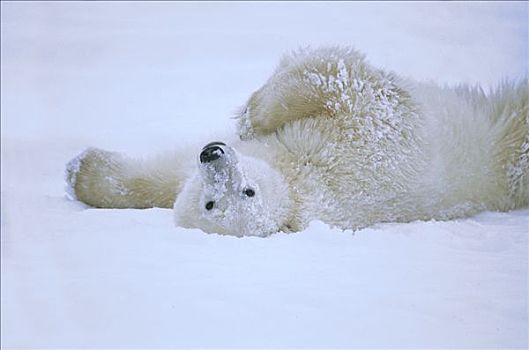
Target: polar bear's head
{"x": 233, "y": 194}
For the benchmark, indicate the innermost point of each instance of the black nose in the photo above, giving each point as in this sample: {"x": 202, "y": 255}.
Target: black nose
{"x": 211, "y": 151}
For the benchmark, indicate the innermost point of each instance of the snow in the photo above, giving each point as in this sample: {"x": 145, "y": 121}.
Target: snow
{"x": 142, "y": 77}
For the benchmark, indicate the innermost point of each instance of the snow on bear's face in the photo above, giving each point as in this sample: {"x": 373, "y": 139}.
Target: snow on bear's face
{"x": 233, "y": 194}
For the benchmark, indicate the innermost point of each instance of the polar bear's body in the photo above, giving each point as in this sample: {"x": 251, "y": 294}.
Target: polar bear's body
{"x": 329, "y": 137}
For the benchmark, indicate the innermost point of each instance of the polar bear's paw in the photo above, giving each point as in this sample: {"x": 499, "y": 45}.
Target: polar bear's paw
{"x": 92, "y": 175}
{"x": 246, "y": 131}
{"x": 73, "y": 167}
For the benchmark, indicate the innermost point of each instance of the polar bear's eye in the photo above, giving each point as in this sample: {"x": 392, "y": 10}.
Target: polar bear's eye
{"x": 249, "y": 192}
{"x": 209, "y": 205}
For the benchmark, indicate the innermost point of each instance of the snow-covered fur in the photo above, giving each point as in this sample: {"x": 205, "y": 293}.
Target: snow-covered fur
{"x": 329, "y": 137}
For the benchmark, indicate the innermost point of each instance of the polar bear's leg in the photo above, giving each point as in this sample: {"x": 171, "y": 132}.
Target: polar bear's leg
{"x": 105, "y": 179}
{"x": 323, "y": 83}
{"x": 271, "y": 107}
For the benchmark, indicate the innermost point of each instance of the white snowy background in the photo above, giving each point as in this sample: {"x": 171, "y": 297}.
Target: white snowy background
{"x": 141, "y": 78}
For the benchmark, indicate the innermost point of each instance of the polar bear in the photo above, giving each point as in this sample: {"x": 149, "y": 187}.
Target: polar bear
{"x": 329, "y": 137}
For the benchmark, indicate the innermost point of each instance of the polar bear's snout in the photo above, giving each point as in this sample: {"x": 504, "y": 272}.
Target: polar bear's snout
{"x": 212, "y": 151}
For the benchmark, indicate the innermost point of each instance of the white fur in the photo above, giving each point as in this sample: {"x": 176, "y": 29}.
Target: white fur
{"x": 329, "y": 137}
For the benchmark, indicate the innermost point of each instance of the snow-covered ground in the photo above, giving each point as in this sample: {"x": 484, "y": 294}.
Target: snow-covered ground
{"x": 144, "y": 77}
